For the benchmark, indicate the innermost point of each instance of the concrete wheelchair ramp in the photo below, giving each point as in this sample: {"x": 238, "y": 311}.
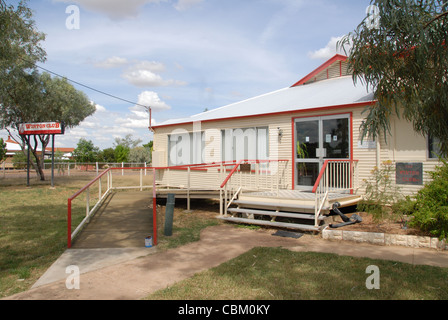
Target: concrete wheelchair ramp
{"x": 123, "y": 221}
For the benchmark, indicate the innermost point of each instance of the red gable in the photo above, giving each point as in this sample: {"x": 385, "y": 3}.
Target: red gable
{"x": 337, "y": 57}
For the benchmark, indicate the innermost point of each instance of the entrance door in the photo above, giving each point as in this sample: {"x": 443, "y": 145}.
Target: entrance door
{"x": 319, "y": 139}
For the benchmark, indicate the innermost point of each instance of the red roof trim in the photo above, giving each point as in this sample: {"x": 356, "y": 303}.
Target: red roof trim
{"x": 337, "y": 57}
{"x": 292, "y": 112}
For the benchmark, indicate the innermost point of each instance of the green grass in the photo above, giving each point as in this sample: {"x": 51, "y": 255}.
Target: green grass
{"x": 280, "y": 274}
{"x": 33, "y": 225}
{"x": 33, "y": 230}
{"x": 33, "y": 235}
{"x": 187, "y": 226}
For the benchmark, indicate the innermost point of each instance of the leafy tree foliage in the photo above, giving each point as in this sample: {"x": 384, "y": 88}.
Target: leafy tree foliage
{"x": 121, "y": 153}
{"x": 123, "y": 147}
{"x": 25, "y": 94}
{"x": 86, "y": 151}
{"x": 2, "y": 150}
{"x": 140, "y": 155}
{"x": 430, "y": 207}
{"x": 128, "y": 141}
{"x": 108, "y": 155}
{"x": 20, "y": 46}
{"x": 403, "y": 58}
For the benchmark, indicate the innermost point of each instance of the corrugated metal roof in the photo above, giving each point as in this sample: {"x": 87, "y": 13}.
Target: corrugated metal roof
{"x": 326, "y": 93}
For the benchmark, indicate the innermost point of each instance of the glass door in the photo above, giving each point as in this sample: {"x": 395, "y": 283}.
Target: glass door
{"x": 308, "y": 158}
{"x": 318, "y": 139}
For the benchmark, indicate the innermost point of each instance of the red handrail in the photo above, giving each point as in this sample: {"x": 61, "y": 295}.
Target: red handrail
{"x": 231, "y": 173}
{"x": 193, "y": 167}
{"x": 77, "y": 193}
{"x": 324, "y": 167}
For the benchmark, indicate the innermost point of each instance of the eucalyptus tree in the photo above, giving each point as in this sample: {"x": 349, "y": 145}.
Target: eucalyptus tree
{"x": 2, "y": 150}
{"x": 400, "y": 52}
{"x": 27, "y": 95}
{"x": 43, "y": 98}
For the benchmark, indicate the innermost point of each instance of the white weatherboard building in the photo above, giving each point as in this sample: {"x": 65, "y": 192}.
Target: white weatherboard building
{"x": 289, "y": 154}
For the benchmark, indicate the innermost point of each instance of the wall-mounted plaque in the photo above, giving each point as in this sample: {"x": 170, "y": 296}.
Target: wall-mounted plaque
{"x": 409, "y": 173}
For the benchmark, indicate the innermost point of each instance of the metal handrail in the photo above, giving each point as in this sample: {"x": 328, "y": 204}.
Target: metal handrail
{"x": 223, "y": 191}
{"x": 329, "y": 178}
{"x": 101, "y": 196}
{"x": 230, "y": 174}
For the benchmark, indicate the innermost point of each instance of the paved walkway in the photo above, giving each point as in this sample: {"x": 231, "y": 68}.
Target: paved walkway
{"x": 135, "y": 273}
{"x": 123, "y": 221}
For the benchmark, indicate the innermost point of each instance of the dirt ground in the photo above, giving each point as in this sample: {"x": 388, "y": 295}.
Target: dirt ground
{"x": 387, "y": 226}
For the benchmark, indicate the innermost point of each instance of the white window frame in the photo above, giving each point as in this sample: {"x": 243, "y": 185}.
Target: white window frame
{"x": 250, "y": 143}
{"x": 186, "y": 148}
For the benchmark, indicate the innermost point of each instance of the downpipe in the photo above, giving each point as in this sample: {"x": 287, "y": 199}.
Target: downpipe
{"x": 347, "y": 221}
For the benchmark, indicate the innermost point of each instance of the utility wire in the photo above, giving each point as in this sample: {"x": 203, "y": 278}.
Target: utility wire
{"x": 88, "y": 87}
{"x": 93, "y": 89}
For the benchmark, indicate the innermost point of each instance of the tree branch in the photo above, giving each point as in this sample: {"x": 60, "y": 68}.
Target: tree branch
{"x": 436, "y": 18}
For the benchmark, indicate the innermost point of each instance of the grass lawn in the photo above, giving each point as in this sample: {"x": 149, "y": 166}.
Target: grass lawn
{"x": 33, "y": 229}
{"x": 33, "y": 225}
{"x": 281, "y": 274}
{"x": 33, "y": 235}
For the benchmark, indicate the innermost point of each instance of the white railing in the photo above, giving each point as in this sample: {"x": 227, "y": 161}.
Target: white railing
{"x": 253, "y": 175}
{"x": 338, "y": 176}
{"x": 222, "y": 177}
{"x": 97, "y": 190}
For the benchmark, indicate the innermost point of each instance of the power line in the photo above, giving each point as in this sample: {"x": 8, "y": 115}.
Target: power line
{"x": 93, "y": 89}
{"x": 85, "y": 86}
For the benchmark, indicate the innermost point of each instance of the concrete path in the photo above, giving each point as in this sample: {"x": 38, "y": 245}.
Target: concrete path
{"x": 140, "y": 276}
{"x": 123, "y": 221}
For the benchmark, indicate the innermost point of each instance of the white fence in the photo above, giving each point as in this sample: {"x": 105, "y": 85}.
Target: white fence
{"x": 69, "y": 168}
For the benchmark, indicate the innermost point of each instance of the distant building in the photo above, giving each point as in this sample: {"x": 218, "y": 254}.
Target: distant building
{"x": 12, "y": 148}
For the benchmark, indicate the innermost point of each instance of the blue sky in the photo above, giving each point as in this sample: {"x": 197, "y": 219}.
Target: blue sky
{"x": 183, "y": 56}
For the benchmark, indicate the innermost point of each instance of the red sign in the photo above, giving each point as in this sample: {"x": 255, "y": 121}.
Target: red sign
{"x": 41, "y": 128}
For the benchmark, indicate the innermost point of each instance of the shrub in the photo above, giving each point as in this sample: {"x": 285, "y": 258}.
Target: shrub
{"x": 431, "y": 204}
{"x": 381, "y": 193}
{"x": 405, "y": 206}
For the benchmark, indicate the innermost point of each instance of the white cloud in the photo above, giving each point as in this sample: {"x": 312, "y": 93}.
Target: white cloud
{"x": 151, "y": 99}
{"x": 79, "y": 132}
{"x": 138, "y": 118}
{"x": 117, "y": 131}
{"x": 112, "y": 62}
{"x": 133, "y": 123}
{"x": 153, "y": 66}
{"x": 153, "y": 122}
{"x": 119, "y": 9}
{"x": 98, "y": 107}
{"x": 142, "y": 74}
{"x": 114, "y": 9}
{"x": 104, "y": 125}
{"x": 186, "y": 4}
{"x": 329, "y": 50}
